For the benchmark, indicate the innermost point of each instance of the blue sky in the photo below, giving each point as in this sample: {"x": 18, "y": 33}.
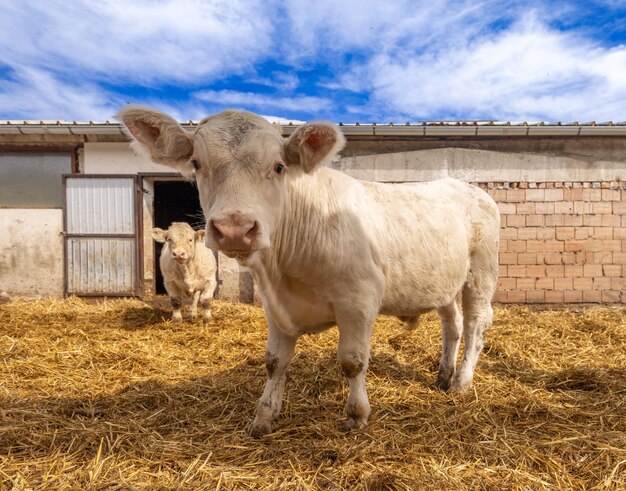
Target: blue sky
{"x": 343, "y": 60}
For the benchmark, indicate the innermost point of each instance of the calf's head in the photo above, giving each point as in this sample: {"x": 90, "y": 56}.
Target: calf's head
{"x": 241, "y": 165}
{"x": 181, "y": 240}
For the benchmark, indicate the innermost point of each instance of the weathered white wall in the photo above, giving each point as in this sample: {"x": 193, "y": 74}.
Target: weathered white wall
{"x": 477, "y": 165}
{"x": 117, "y": 158}
{"x": 31, "y": 251}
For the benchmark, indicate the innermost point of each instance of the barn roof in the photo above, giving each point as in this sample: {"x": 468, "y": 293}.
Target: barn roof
{"x": 426, "y": 128}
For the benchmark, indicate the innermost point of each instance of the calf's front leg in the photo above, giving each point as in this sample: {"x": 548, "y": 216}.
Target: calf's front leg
{"x": 194, "y": 305}
{"x": 354, "y": 354}
{"x": 176, "y": 300}
{"x": 280, "y": 348}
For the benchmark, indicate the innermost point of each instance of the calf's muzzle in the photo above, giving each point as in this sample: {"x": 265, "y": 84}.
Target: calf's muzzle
{"x": 234, "y": 232}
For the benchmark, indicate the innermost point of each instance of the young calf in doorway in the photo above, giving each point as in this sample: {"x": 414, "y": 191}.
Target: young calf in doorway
{"x": 188, "y": 268}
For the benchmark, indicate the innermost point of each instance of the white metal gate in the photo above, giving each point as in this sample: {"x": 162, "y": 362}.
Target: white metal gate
{"x": 101, "y": 235}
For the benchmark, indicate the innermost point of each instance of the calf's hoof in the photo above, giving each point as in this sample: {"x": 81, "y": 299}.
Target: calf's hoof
{"x": 206, "y": 318}
{"x": 353, "y": 423}
{"x": 260, "y": 428}
{"x": 177, "y": 317}
{"x": 444, "y": 379}
{"x": 194, "y": 317}
{"x": 459, "y": 386}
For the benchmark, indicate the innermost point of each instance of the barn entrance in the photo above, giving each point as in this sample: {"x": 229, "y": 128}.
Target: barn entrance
{"x": 174, "y": 201}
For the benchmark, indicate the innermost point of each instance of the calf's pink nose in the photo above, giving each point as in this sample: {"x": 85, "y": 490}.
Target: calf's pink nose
{"x": 234, "y": 233}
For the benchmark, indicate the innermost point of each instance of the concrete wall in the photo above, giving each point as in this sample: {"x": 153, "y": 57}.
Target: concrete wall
{"x": 31, "y": 252}
{"x": 117, "y": 158}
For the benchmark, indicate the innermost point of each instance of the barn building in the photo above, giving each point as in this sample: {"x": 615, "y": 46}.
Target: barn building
{"x": 77, "y": 206}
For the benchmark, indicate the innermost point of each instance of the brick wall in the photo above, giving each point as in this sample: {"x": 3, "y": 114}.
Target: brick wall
{"x": 561, "y": 241}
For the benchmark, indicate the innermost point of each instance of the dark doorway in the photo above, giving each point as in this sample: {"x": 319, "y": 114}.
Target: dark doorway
{"x": 174, "y": 201}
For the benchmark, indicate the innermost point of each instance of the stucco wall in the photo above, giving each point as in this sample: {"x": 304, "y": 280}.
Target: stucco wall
{"x": 117, "y": 158}
{"x": 31, "y": 251}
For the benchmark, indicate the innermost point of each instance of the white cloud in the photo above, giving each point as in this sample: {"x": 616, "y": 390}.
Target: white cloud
{"x": 141, "y": 42}
{"x": 35, "y": 94}
{"x": 527, "y": 72}
{"x": 254, "y": 100}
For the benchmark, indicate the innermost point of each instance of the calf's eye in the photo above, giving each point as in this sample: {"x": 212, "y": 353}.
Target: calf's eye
{"x": 279, "y": 167}
{"x": 195, "y": 163}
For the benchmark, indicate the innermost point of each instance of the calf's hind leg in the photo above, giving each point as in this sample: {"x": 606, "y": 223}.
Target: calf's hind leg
{"x": 477, "y": 318}
{"x": 451, "y": 327}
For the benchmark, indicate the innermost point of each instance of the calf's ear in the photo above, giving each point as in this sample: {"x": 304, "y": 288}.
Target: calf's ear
{"x": 158, "y": 136}
{"x": 199, "y": 235}
{"x": 313, "y": 145}
{"x": 159, "y": 234}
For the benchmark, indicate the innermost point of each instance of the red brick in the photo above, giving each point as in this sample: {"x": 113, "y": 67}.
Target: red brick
{"x": 557, "y": 271}
{"x": 573, "y": 194}
{"x": 618, "y": 283}
{"x": 515, "y": 220}
{"x": 503, "y": 271}
{"x": 508, "y": 258}
{"x": 555, "y": 220}
{"x": 501, "y": 297}
{"x": 592, "y": 220}
{"x": 516, "y": 195}
{"x": 517, "y": 271}
{"x": 516, "y": 246}
{"x": 591, "y": 270}
{"x": 610, "y": 195}
{"x": 583, "y": 283}
{"x": 611, "y": 220}
{"x": 573, "y": 220}
{"x": 498, "y": 194}
{"x": 612, "y": 269}
{"x": 535, "y": 296}
{"x": 619, "y": 258}
{"x": 562, "y": 284}
{"x": 527, "y": 258}
{"x": 546, "y": 233}
{"x": 568, "y": 258}
{"x": 544, "y": 208}
{"x": 516, "y": 296}
{"x": 573, "y": 271}
{"x": 549, "y": 257}
{"x": 527, "y": 233}
{"x": 602, "y": 207}
{"x": 503, "y": 246}
{"x": 508, "y": 233}
{"x": 592, "y": 296}
{"x": 582, "y": 232}
{"x": 526, "y": 208}
{"x": 506, "y": 283}
{"x": 572, "y": 297}
{"x": 536, "y": 271}
{"x": 582, "y": 207}
{"x": 564, "y": 207}
{"x": 612, "y": 245}
{"x": 554, "y": 195}
{"x": 603, "y": 232}
{"x": 507, "y": 208}
{"x": 601, "y": 283}
{"x": 564, "y": 233}
{"x": 609, "y": 296}
{"x": 554, "y": 296}
{"x": 525, "y": 283}
{"x": 545, "y": 283}
{"x": 602, "y": 257}
{"x": 534, "y": 220}
{"x": 619, "y": 233}
{"x": 592, "y": 195}
{"x": 619, "y": 208}
{"x": 536, "y": 195}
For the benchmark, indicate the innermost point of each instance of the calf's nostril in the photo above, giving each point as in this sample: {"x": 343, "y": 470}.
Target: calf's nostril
{"x": 216, "y": 231}
{"x": 250, "y": 234}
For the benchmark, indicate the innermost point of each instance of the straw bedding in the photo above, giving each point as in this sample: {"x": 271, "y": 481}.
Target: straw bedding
{"x": 111, "y": 395}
